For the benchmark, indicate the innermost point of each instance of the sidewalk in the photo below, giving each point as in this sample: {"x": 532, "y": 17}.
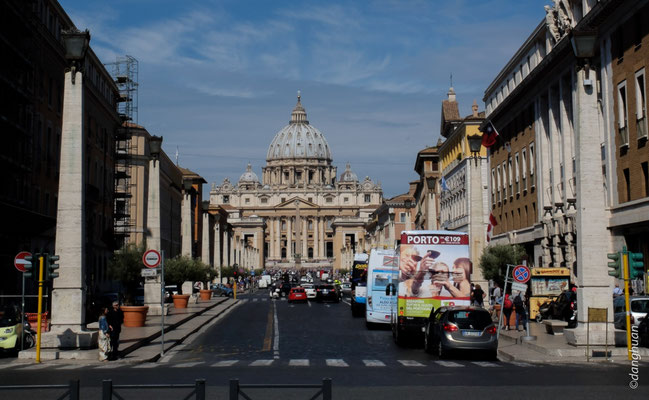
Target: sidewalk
{"x": 549, "y": 348}
{"x": 145, "y": 343}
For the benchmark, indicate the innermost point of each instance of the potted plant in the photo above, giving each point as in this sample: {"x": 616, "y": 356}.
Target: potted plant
{"x": 125, "y": 267}
{"x": 181, "y": 269}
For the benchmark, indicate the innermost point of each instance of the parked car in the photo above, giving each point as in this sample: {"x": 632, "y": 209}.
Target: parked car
{"x": 220, "y": 289}
{"x": 328, "y": 292}
{"x": 460, "y": 328}
{"x": 346, "y": 288}
{"x": 297, "y": 294}
{"x": 643, "y": 331}
{"x": 639, "y": 309}
{"x": 309, "y": 288}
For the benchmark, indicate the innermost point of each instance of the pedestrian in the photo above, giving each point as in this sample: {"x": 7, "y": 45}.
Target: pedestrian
{"x": 508, "y": 307}
{"x": 196, "y": 290}
{"x": 103, "y": 341}
{"x": 115, "y": 319}
{"x": 496, "y": 294}
{"x": 617, "y": 291}
{"x": 477, "y": 297}
{"x": 519, "y": 307}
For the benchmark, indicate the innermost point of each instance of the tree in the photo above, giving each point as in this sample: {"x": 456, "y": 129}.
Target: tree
{"x": 125, "y": 267}
{"x": 495, "y": 258}
{"x": 183, "y": 268}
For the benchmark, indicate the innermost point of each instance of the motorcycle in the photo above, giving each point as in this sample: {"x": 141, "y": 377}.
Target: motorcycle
{"x": 563, "y": 308}
{"x": 11, "y": 331}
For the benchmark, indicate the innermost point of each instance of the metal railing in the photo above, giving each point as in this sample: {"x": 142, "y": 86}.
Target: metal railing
{"x": 235, "y": 389}
{"x": 198, "y": 392}
{"x": 72, "y": 392}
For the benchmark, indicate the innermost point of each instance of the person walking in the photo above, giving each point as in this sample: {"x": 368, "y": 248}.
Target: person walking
{"x": 519, "y": 307}
{"x": 508, "y": 307}
{"x": 477, "y": 297}
{"x": 115, "y": 319}
{"x": 103, "y": 341}
{"x": 196, "y": 290}
{"x": 496, "y": 294}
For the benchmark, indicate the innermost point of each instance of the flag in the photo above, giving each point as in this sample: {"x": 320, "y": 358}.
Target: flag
{"x": 489, "y": 135}
{"x": 444, "y": 185}
{"x": 492, "y": 222}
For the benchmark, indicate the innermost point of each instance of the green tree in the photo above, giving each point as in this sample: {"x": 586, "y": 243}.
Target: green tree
{"x": 495, "y": 258}
{"x": 183, "y": 268}
{"x": 125, "y": 267}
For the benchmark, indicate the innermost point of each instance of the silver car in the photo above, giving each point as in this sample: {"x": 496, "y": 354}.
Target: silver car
{"x": 639, "y": 308}
{"x": 460, "y": 328}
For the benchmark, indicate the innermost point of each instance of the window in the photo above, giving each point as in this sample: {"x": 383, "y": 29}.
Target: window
{"x": 532, "y": 161}
{"x": 645, "y": 175}
{"x": 264, "y": 200}
{"x": 509, "y": 175}
{"x": 283, "y": 199}
{"x": 504, "y": 180}
{"x": 329, "y": 199}
{"x": 247, "y": 200}
{"x": 346, "y": 199}
{"x": 310, "y": 199}
{"x": 516, "y": 173}
{"x": 524, "y": 170}
{"x": 627, "y": 181}
{"x": 640, "y": 104}
{"x": 368, "y": 198}
{"x": 622, "y": 114}
{"x": 402, "y": 217}
{"x": 226, "y": 199}
{"x": 498, "y": 183}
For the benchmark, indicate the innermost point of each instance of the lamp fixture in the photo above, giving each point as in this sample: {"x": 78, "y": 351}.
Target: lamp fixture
{"x": 155, "y": 146}
{"x": 584, "y": 45}
{"x": 475, "y": 143}
{"x": 430, "y": 182}
{"x": 76, "y": 44}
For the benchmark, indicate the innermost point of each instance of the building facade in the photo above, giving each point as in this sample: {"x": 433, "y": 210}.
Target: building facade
{"x": 299, "y": 212}
{"x": 426, "y": 195}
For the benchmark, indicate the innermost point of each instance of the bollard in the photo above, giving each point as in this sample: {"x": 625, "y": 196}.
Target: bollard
{"x": 74, "y": 390}
{"x": 107, "y": 389}
{"x": 234, "y": 389}
{"x": 326, "y": 389}
{"x": 200, "y": 389}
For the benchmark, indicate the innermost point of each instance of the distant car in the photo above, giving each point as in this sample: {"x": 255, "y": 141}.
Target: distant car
{"x": 310, "y": 290}
{"x": 328, "y": 292}
{"x": 346, "y": 288}
{"x": 639, "y": 309}
{"x": 460, "y": 328}
{"x": 297, "y": 294}
{"x": 220, "y": 289}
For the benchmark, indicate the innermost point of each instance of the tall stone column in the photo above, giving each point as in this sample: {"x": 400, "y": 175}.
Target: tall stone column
{"x": 205, "y": 242}
{"x": 477, "y": 231}
{"x": 271, "y": 238}
{"x": 289, "y": 239}
{"x": 323, "y": 235}
{"x": 593, "y": 241}
{"x": 233, "y": 246}
{"x": 68, "y": 296}
{"x": 316, "y": 238}
{"x": 217, "y": 245}
{"x": 186, "y": 224}
{"x": 278, "y": 238}
{"x": 305, "y": 238}
{"x": 226, "y": 248}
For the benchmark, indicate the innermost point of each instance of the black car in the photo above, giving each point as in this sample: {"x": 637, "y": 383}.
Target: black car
{"x": 285, "y": 288}
{"x": 328, "y": 292}
{"x": 643, "y": 331}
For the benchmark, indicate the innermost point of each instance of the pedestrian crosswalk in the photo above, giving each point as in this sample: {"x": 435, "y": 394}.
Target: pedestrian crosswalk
{"x": 260, "y": 363}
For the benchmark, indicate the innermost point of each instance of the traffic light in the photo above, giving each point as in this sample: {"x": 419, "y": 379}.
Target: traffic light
{"x": 51, "y": 266}
{"x": 615, "y": 265}
{"x": 31, "y": 269}
{"x": 636, "y": 266}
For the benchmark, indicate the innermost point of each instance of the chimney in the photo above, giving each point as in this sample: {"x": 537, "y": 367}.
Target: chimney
{"x": 474, "y": 107}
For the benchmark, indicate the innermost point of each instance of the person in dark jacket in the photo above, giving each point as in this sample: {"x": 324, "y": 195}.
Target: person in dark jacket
{"x": 115, "y": 318}
{"x": 521, "y": 313}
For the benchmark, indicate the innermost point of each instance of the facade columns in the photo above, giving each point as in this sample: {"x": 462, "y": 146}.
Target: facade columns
{"x": 289, "y": 239}
{"x": 186, "y": 224}
{"x": 233, "y": 245}
{"x": 323, "y": 248}
{"x": 217, "y": 246}
{"x": 316, "y": 238}
{"x": 271, "y": 238}
{"x": 278, "y": 238}
{"x": 205, "y": 247}
{"x": 226, "y": 248}
{"x": 305, "y": 238}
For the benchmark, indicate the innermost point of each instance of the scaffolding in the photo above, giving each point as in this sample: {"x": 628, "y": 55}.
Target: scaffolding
{"x": 125, "y": 74}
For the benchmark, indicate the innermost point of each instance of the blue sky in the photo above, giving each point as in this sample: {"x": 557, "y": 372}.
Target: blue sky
{"x": 218, "y": 79}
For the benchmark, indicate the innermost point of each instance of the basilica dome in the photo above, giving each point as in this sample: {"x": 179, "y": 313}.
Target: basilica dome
{"x": 298, "y": 139}
{"x": 248, "y": 176}
{"x": 348, "y": 175}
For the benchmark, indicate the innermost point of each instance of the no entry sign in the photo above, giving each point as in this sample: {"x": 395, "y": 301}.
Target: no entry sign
{"x": 19, "y": 261}
{"x": 151, "y": 258}
{"x": 521, "y": 274}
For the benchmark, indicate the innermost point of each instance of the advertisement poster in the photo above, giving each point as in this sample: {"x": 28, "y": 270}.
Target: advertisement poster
{"x": 382, "y": 267}
{"x": 434, "y": 270}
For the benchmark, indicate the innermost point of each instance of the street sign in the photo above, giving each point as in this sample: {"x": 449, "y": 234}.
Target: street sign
{"x": 19, "y": 261}
{"x": 521, "y": 274}
{"x": 521, "y": 287}
{"x": 147, "y": 272}
{"x": 151, "y": 258}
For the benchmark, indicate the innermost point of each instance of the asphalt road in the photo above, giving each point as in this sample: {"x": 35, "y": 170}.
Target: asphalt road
{"x": 267, "y": 341}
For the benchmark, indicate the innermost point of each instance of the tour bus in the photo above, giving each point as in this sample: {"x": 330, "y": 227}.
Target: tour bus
{"x": 359, "y": 282}
{"x": 381, "y": 268}
{"x": 433, "y": 270}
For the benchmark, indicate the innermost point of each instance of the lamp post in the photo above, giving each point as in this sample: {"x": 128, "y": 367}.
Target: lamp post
{"x": 477, "y": 230}
{"x": 186, "y": 218}
{"x": 153, "y": 296}
{"x": 593, "y": 282}
{"x": 69, "y": 294}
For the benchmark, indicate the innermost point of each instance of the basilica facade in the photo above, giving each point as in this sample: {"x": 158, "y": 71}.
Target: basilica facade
{"x": 300, "y": 213}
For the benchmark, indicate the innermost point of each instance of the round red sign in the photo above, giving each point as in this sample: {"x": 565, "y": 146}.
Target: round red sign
{"x": 151, "y": 258}
{"x": 19, "y": 261}
{"x": 521, "y": 274}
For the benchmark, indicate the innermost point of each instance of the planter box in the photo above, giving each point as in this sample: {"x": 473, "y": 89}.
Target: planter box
{"x": 134, "y": 316}
{"x": 205, "y": 294}
{"x": 180, "y": 300}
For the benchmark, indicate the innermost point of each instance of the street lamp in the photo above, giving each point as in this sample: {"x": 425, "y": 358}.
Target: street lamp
{"x": 475, "y": 143}
{"x": 155, "y": 146}
{"x": 187, "y": 185}
{"x": 583, "y": 45}
{"x": 76, "y": 44}
{"x": 430, "y": 183}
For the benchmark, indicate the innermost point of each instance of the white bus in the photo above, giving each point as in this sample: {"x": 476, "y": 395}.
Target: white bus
{"x": 382, "y": 267}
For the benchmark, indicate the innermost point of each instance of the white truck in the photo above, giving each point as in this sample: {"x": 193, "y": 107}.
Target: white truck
{"x": 264, "y": 281}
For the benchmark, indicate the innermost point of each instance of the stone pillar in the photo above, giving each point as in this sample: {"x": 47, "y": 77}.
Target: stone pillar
{"x": 233, "y": 245}
{"x": 305, "y": 238}
{"x": 593, "y": 240}
{"x": 186, "y": 225}
{"x": 217, "y": 245}
{"x": 226, "y": 248}
{"x": 477, "y": 231}
{"x": 68, "y": 297}
{"x": 278, "y": 239}
{"x": 289, "y": 239}
{"x": 271, "y": 238}
{"x": 205, "y": 243}
{"x": 323, "y": 235}
{"x": 316, "y": 237}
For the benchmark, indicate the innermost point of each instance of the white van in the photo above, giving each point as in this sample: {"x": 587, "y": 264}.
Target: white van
{"x": 381, "y": 269}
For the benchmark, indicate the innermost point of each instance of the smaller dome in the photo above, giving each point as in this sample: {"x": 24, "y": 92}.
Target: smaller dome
{"x": 348, "y": 175}
{"x": 249, "y": 176}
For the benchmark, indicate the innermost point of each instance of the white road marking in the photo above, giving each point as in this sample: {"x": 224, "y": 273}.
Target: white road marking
{"x": 485, "y": 364}
{"x": 73, "y": 366}
{"x": 261, "y": 363}
{"x": 224, "y": 363}
{"x": 346, "y": 302}
{"x": 411, "y": 363}
{"x": 327, "y": 305}
{"x": 187, "y": 365}
{"x": 336, "y": 362}
{"x": 108, "y": 366}
{"x": 298, "y": 363}
{"x": 309, "y": 303}
{"x": 373, "y": 363}
{"x": 521, "y": 364}
{"x": 37, "y": 366}
{"x": 449, "y": 364}
{"x": 146, "y": 365}
{"x": 276, "y": 334}
{"x": 255, "y": 299}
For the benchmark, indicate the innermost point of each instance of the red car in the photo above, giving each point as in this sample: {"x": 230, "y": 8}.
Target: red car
{"x": 297, "y": 294}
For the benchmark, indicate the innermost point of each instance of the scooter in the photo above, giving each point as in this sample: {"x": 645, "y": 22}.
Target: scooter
{"x": 11, "y": 331}
{"x": 555, "y": 309}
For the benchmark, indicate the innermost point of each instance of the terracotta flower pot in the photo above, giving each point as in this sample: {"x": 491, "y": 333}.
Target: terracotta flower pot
{"x": 180, "y": 300}
{"x": 134, "y": 316}
{"x": 206, "y": 294}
